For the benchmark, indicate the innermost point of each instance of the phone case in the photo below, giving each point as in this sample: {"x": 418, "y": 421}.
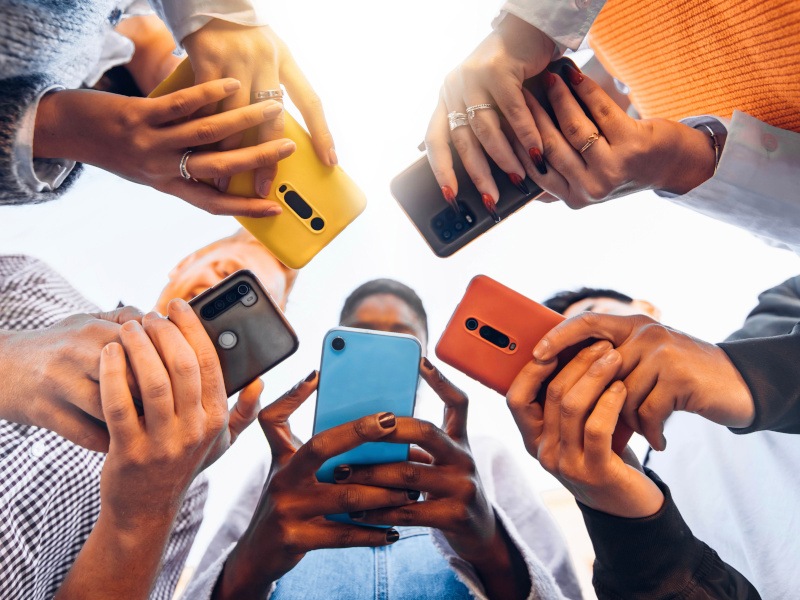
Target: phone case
{"x": 493, "y": 332}
{"x": 374, "y": 372}
{"x": 419, "y": 195}
{"x": 318, "y": 201}
{"x": 249, "y": 331}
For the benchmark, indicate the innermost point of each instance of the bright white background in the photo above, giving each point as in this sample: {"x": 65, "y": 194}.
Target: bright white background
{"x": 378, "y": 67}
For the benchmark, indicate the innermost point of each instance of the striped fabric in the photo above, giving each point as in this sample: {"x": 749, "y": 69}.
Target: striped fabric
{"x": 697, "y": 57}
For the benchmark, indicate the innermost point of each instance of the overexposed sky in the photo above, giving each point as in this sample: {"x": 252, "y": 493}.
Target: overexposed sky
{"x": 378, "y": 67}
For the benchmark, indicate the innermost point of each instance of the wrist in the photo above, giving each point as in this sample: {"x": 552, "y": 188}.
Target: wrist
{"x": 520, "y": 37}
{"x": 636, "y": 499}
{"x": 245, "y": 574}
{"x": 686, "y": 157}
{"x": 497, "y": 560}
{"x": 16, "y": 392}
{"x": 58, "y": 129}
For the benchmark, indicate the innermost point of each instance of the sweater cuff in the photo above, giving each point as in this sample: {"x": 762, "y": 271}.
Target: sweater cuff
{"x": 635, "y": 557}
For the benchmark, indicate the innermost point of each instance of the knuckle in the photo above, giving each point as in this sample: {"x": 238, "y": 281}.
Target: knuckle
{"x": 186, "y": 366}
{"x": 570, "y": 408}
{"x": 549, "y": 147}
{"x": 156, "y": 388}
{"x": 206, "y": 133}
{"x": 317, "y": 447}
{"x": 461, "y": 144}
{"x": 403, "y": 516}
{"x": 594, "y": 431}
{"x": 346, "y": 537}
{"x": 348, "y": 499}
{"x": 555, "y": 391}
{"x": 481, "y": 126}
{"x": 361, "y": 429}
{"x": 178, "y": 105}
{"x": 410, "y": 474}
{"x": 266, "y": 158}
{"x": 571, "y": 128}
{"x": 217, "y": 169}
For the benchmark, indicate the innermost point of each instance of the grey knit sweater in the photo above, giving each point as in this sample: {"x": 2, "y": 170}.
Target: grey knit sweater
{"x": 42, "y": 43}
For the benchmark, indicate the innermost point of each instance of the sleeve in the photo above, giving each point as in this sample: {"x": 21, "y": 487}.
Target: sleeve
{"x": 24, "y": 180}
{"x": 187, "y": 16}
{"x": 658, "y": 557}
{"x": 755, "y": 186}
{"x": 769, "y": 367}
{"x": 777, "y": 312}
{"x": 566, "y": 22}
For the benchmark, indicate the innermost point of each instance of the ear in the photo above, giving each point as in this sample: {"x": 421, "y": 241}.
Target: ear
{"x": 651, "y": 310}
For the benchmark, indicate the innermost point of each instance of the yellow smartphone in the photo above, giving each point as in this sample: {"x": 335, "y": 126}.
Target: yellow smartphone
{"x": 318, "y": 201}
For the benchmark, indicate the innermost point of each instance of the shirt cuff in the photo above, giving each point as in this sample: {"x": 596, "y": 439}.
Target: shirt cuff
{"x": 543, "y": 585}
{"x": 202, "y": 585}
{"x": 39, "y": 174}
{"x": 566, "y": 22}
{"x": 184, "y": 17}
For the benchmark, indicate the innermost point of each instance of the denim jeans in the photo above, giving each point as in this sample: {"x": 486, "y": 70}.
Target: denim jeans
{"x": 410, "y": 569}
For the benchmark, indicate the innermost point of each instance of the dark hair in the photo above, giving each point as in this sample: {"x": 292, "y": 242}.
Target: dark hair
{"x": 384, "y": 286}
{"x": 563, "y": 300}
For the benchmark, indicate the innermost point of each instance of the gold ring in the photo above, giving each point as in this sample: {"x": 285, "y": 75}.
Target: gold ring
{"x": 589, "y": 141}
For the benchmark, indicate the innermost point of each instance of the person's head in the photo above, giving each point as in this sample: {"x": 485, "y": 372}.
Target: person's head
{"x": 386, "y": 305}
{"x": 607, "y": 302}
{"x": 211, "y": 264}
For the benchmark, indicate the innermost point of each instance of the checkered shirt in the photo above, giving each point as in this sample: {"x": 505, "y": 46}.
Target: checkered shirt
{"x": 50, "y": 487}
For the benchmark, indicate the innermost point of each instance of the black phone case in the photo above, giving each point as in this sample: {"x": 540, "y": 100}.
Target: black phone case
{"x": 264, "y": 336}
{"x": 418, "y": 194}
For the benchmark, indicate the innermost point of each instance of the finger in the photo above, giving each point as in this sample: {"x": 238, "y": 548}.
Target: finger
{"x": 521, "y": 400}
{"x": 511, "y": 103}
{"x": 274, "y": 419}
{"x": 180, "y": 361}
{"x": 215, "y": 165}
{"x": 238, "y": 100}
{"x": 653, "y": 412}
{"x": 579, "y": 402}
{"x": 554, "y": 147}
{"x": 329, "y": 534}
{"x": 440, "y": 157}
{"x": 455, "y": 401}
{"x": 120, "y": 315}
{"x": 601, "y": 424}
{"x": 79, "y": 427}
{"x": 582, "y": 327}
{"x": 310, "y": 106}
{"x": 152, "y": 376}
{"x": 576, "y": 127}
{"x": 400, "y": 475}
{"x": 346, "y": 498}
{"x": 246, "y": 408}
{"x": 118, "y": 409}
{"x": 267, "y": 132}
{"x": 639, "y": 383}
{"x": 213, "y": 201}
{"x": 186, "y": 102}
{"x": 419, "y": 455}
{"x": 208, "y": 130}
{"x": 431, "y": 439}
{"x": 431, "y": 513}
{"x": 608, "y": 115}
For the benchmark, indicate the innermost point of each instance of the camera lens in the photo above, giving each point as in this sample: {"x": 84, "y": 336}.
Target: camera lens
{"x": 337, "y": 343}
{"x": 447, "y": 234}
{"x": 472, "y": 324}
{"x": 243, "y": 289}
{"x": 230, "y": 297}
{"x": 282, "y": 189}
{"x": 219, "y": 304}
{"x": 208, "y": 311}
{"x": 317, "y": 223}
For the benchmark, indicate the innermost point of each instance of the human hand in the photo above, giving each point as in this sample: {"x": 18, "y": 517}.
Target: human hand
{"x": 663, "y": 370}
{"x": 444, "y": 470}
{"x": 258, "y": 58}
{"x": 571, "y": 436}
{"x": 290, "y": 518}
{"x": 630, "y": 155}
{"x": 144, "y": 140}
{"x": 492, "y": 74}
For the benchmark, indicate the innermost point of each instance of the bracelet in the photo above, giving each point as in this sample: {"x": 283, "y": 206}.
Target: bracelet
{"x": 715, "y": 145}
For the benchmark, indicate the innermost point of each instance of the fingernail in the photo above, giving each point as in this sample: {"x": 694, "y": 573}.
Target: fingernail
{"x": 519, "y": 183}
{"x": 491, "y": 206}
{"x": 286, "y": 149}
{"x": 413, "y": 495}
{"x": 311, "y": 376}
{"x": 232, "y": 85}
{"x": 541, "y": 350}
{"x": 178, "y": 304}
{"x": 450, "y": 196}
{"x": 332, "y": 156}
{"x": 574, "y": 75}
{"x": 264, "y": 188}
{"x": 387, "y": 420}
{"x": 426, "y": 363}
{"x": 609, "y": 357}
{"x": 392, "y": 536}
{"x": 111, "y": 349}
{"x": 223, "y": 184}
{"x": 617, "y": 387}
{"x": 548, "y": 79}
{"x": 538, "y": 160}
{"x": 132, "y": 326}
{"x": 359, "y": 514}
{"x": 341, "y": 473}
{"x": 663, "y": 442}
{"x": 273, "y": 211}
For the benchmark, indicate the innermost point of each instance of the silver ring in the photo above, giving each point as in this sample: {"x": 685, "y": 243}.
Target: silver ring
{"x": 471, "y": 110}
{"x": 182, "y": 167}
{"x": 267, "y": 95}
{"x": 589, "y": 141}
{"x": 457, "y": 119}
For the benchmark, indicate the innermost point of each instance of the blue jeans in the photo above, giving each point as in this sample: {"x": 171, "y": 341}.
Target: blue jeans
{"x": 410, "y": 569}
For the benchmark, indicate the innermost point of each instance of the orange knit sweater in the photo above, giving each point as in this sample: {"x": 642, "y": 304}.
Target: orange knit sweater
{"x": 691, "y": 57}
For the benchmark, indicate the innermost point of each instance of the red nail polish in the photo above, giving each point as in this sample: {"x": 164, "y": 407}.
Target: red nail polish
{"x": 450, "y": 196}
{"x": 538, "y": 160}
{"x": 519, "y": 183}
{"x": 491, "y": 206}
{"x": 574, "y": 75}
{"x": 548, "y": 79}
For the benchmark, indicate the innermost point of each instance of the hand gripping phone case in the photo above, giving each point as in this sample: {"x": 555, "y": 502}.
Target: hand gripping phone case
{"x": 362, "y": 373}
{"x": 318, "y": 201}
{"x": 418, "y": 194}
{"x": 249, "y": 331}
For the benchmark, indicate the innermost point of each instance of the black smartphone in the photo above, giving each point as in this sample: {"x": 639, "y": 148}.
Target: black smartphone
{"x": 249, "y": 331}
{"x": 418, "y": 194}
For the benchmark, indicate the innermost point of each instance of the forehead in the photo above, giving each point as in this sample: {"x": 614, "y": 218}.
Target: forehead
{"x": 603, "y": 305}
{"x": 387, "y": 309}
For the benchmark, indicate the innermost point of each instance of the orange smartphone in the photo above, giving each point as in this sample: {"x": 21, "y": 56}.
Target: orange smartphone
{"x": 318, "y": 201}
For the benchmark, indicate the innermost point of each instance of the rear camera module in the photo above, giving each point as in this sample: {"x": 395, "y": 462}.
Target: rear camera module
{"x": 449, "y": 226}
{"x": 497, "y": 338}
{"x": 219, "y": 304}
{"x": 471, "y": 324}
{"x": 208, "y": 311}
{"x": 337, "y": 343}
{"x": 230, "y": 297}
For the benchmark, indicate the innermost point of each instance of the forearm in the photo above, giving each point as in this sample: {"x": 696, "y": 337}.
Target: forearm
{"x": 153, "y": 59}
{"x": 502, "y": 569}
{"x": 118, "y": 562}
{"x": 687, "y": 158}
{"x": 244, "y": 575}
{"x": 15, "y": 389}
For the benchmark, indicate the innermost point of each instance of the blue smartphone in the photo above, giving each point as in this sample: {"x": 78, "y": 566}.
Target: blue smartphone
{"x": 362, "y": 373}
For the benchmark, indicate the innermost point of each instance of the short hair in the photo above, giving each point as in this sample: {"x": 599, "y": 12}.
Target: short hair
{"x": 563, "y": 300}
{"x": 377, "y": 287}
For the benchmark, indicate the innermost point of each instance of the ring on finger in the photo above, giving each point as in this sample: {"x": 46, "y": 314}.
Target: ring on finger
{"x": 589, "y": 141}
{"x": 183, "y": 166}
{"x": 457, "y": 119}
{"x": 471, "y": 110}
{"x": 263, "y": 95}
